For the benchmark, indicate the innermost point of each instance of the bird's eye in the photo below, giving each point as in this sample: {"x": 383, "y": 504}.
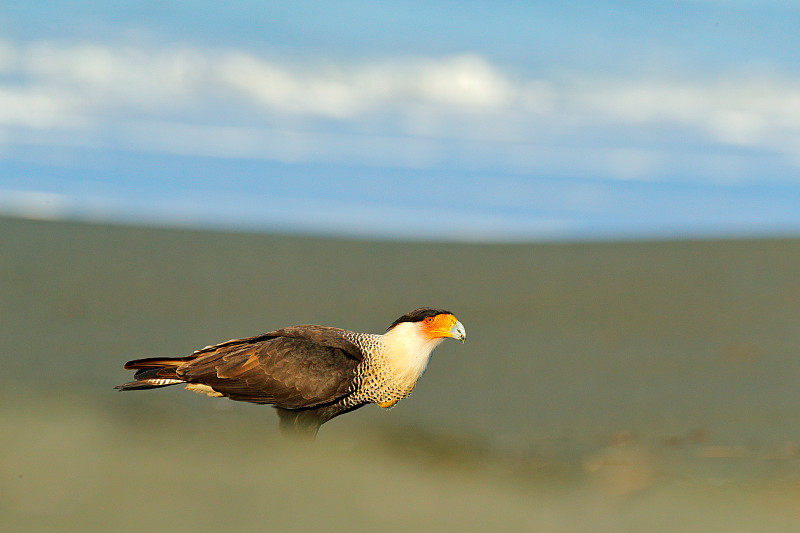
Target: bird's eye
{"x": 429, "y": 320}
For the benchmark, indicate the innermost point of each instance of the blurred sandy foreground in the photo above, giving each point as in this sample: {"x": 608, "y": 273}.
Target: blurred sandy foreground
{"x": 606, "y": 387}
{"x": 69, "y": 465}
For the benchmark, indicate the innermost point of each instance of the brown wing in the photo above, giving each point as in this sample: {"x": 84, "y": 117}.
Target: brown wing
{"x": 293, "y": 368}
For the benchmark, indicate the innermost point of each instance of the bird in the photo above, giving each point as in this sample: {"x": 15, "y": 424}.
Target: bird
{"x": 309, "y": 373}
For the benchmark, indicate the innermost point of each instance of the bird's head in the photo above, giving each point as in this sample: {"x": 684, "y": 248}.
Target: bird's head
{"x": 434, "y": 323}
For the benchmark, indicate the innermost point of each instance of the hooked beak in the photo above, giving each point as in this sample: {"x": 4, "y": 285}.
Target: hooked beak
{"x": 458, "y": 331}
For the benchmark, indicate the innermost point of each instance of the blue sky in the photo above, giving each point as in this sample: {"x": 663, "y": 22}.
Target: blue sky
{"x": 455, "y": 120}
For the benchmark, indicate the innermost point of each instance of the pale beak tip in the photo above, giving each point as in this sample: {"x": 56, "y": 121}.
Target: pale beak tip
{"x": 458, "y": 332}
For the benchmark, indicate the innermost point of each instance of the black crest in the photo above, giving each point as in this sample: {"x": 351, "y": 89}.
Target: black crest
{"x": 418, "y": 315}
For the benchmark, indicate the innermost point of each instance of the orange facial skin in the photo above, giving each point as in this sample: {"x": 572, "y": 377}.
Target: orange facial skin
{"x": 439, "y": 326}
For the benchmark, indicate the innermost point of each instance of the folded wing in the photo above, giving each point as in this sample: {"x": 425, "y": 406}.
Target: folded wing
{"x": 300, "y": 367}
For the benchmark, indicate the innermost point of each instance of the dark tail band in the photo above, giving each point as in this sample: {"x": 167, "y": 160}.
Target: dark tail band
{"x": 153, "y": 373}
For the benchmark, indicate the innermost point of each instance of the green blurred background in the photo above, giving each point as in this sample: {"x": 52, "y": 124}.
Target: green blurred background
{"x": 603, "y": 386}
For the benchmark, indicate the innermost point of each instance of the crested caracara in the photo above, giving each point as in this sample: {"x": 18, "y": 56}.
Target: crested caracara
{"x": 309, "y": 373}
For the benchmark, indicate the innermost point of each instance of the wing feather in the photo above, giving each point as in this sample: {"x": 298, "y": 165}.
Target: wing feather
{"x": 293, "y": 368}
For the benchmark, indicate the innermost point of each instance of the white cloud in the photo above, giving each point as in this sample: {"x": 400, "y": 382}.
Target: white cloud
{"x": 464, "y": 82}
{"x": 37, "y": 107}
{"x": 237, "y": 104}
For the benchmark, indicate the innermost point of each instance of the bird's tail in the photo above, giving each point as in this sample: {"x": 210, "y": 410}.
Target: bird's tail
{"x": 153, "y": 372}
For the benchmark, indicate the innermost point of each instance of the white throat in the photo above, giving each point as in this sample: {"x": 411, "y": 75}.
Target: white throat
{"x": 409, "y": 349}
